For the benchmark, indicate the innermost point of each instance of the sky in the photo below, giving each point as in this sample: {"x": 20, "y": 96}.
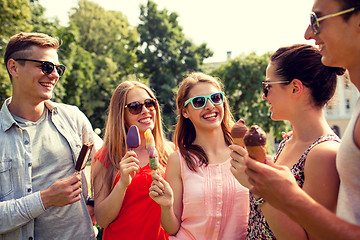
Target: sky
{"x": 239, "y": 26}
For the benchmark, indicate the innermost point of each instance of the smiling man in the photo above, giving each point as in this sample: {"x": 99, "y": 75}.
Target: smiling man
{"x": 40, "y": 194}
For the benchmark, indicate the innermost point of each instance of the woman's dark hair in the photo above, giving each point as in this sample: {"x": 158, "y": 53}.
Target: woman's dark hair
{"x": 303, "y": 62}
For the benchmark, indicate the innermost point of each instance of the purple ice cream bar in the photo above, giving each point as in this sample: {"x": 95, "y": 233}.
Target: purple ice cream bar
{"x": 133, "y": 137}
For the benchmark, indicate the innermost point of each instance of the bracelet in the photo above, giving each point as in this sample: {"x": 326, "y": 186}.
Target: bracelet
{"x": 259, "y": 202}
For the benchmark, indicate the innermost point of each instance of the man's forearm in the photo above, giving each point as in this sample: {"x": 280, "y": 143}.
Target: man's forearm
{"x": 18, "y": 212}
{"x": 317, "y": 220}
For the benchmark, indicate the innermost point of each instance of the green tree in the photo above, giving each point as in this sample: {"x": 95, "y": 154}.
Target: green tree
{"x": 242, "y": 79}
{"x": 104, "y": 51}
{"x": 166, "y": 55}
{"x": 15, "y": 16}
{"x": 39, "y": 23}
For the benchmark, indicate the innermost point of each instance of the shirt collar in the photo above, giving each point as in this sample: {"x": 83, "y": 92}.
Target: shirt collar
{"x": 7, "y": 120}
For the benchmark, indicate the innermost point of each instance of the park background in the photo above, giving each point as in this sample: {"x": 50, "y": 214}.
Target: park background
{"x": 105, "y": 42}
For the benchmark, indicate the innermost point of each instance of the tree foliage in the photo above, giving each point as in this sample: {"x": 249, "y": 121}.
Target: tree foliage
{"x": 166, "y": 55}
{"x": 242, "y": 79}
{"x": 100, "y": 49}
{"x": 15, "y": 16}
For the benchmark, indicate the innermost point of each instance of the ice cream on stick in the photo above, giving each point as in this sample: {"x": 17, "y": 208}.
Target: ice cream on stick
{"x": 238, "y": 132}
{"x": 83, "y": 156}
{"x": 151, "y": 149}
{"x": 133, "y": 137}
{"x": 255, "y": 141}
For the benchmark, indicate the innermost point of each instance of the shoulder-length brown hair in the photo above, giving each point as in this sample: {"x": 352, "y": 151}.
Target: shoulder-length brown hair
{"x": 185, "y": 133}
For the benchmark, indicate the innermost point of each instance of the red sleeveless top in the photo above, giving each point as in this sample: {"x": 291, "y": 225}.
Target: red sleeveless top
{"x": 139, "y": 216}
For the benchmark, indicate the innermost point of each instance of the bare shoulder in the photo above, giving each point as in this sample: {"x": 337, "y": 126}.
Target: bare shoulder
{"x": 171, "y": 145}
{"x": 356, "y": 134}
{"x": 173, "y": 166}
{"x": 322, "y": 156}
{"x": 174, "y": 159}
{"x": 325, "y": 150}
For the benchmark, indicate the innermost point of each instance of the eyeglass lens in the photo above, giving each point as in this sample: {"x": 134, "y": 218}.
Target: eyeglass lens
{"x": 136, "y": 107}
{"x": 48, "y": 68}
{"x": 314, "y": 23}
{"x": 265, "y": 89}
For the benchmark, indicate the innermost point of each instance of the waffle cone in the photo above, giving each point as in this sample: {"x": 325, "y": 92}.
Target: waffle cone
{"x": 257, "y": 152}
{"x": 239, "y": 141}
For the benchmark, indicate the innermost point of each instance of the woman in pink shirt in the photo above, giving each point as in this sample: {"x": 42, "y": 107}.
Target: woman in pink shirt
{"x": 200, "y": 198}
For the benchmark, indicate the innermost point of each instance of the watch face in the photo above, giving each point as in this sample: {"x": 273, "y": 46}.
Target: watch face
{"x": 83, "y": 156}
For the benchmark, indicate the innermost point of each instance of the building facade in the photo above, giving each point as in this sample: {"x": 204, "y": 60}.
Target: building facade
{"x": 338, "y": 110}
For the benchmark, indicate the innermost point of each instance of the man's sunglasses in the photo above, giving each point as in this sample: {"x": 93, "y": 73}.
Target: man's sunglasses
{"x": 314, "y": 20}
{"x": 200, "y": 101}
{"x": 266, "y": 86}
{"x": 46, "y": 66}
{"x": 136, "y": 107}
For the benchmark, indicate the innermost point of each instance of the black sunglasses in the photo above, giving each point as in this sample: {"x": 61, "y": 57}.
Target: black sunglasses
{"x": 46, "y": 66}
{"x": 267, "y": 85}
{"x": 136, "y": 107}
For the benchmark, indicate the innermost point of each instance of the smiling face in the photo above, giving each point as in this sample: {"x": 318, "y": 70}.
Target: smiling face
{"x": 337, "y": 37}
{"x": 30, "y": 84}
{"x": 146, "y": 118}
{"x": 210, "y": 115}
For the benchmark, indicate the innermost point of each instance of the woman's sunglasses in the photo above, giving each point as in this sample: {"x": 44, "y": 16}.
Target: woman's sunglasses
{"x": 46, "y": 66}
{"x": 266, "y": 86}
{"x": 136, "y": 107}
{"x": 200, "y": 101}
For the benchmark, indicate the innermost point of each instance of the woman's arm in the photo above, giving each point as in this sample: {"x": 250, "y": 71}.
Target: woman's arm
{"x": 321, "y": 183}
{"x": 108, "y": 202}
{"x": 168, "y": 193}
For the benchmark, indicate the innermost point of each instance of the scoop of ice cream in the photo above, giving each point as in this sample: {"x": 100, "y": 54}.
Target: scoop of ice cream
{"x": 255, "y": 136}
{"x": 239, "y": 129}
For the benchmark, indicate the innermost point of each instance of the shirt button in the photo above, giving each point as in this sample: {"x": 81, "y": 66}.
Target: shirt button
{"x": 29, "y": 164}
{"x": 31, "y": 238}
{"x": 29, "y": 189}
{"x": 26, "y": 142}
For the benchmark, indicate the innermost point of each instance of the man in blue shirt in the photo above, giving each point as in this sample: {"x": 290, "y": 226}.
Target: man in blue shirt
{"x": 40, "y": 193}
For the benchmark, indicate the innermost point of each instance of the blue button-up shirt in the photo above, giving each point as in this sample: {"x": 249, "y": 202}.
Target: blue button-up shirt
{"x": 19, "y": 205}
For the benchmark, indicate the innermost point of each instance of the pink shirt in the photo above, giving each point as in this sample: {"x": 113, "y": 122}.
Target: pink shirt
{"x": 215, "y": 204}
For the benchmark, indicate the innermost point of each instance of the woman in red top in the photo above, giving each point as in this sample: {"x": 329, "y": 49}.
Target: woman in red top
{"x": 121, "y": 178}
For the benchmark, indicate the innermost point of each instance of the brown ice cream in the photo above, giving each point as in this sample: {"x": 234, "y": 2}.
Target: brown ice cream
{"x": 238, "y": 132}
{"x": 255, "y": 141}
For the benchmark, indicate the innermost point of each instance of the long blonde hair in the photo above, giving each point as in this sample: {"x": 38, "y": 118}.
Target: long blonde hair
{"x": 185, "y": 133}
{"x": 115, "y": 133}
